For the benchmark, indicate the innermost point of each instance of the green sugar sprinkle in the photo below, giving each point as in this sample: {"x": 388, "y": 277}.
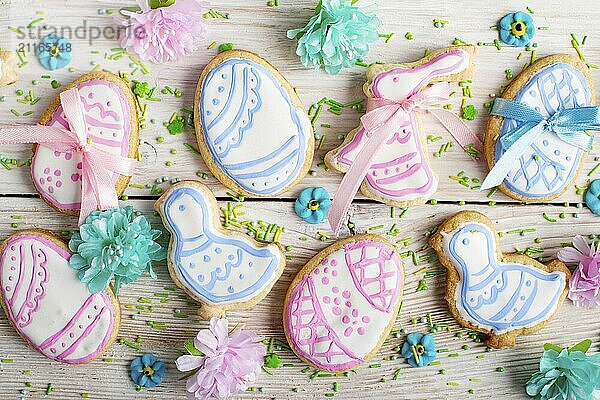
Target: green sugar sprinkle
{"x": 548, "y": 218}
{"x": 453, "y": 384}
{"x": 225, "y": 47}
{"x": 409, "y": 36}
{"x": 500, "y": 369}
{"x": 129, "y": 344}
{"x": 50, "y": 389}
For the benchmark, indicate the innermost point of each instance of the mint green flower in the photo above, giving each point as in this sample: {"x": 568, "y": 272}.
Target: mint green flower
{"x": 337, "y": 35}
{"x": 117, "y": 243}
{"x": 567, "y": 374}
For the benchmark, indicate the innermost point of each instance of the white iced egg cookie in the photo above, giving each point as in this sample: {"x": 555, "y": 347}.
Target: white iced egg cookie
{"x": 112, "y": 122}
{"x": 549, "y": 165}
{"x": 48, "y": 305}
{"x": 342, "y": 305}
{"x": 252, "y": 129}
{"x": 502, "y": 295}
{"x": 221, "y": 269}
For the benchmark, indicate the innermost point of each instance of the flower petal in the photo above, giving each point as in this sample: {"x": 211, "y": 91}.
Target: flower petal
{"x": 187, "y": 363}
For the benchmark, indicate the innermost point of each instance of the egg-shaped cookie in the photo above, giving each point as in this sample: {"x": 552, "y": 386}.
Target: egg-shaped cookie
{"x": 112, "y": 123}
{"x": 253, "y": 132}
{"x": 342, "y": 305}
{"x": 547, "y": 167}
{"x": 48, "y": 305}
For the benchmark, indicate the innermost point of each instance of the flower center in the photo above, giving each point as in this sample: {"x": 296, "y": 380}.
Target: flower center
{"x": 54, "y": 51}
{"x": 518, "y": 28}
{"x": 148, "y": 371}
{"x": 313, "y": 205}
{"x": 420, "y": 349}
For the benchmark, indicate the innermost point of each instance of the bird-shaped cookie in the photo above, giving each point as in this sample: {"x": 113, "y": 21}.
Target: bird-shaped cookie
{"x": 221, "y": 269}
{"x": 502, "y": 295}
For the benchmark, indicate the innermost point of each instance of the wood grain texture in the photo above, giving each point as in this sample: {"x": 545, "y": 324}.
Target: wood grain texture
{"x": 256, "y": 27}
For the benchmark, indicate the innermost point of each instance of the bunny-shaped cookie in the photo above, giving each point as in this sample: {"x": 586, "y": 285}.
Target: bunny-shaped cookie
{"x": 401, "y": 174}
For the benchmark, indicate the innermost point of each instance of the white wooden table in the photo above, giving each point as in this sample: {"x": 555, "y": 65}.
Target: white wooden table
{"x": 255, "y": 26}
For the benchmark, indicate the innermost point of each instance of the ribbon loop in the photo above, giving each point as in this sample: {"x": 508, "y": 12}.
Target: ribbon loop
{"x": 568, "y": 124}
{"x": 380, "y": 123}
{"x": 97, "y": 165}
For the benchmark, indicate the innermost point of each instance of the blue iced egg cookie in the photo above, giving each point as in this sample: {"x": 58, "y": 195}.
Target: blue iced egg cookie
{"x": 549, "y": 165}
{"x": 252, "y": 129}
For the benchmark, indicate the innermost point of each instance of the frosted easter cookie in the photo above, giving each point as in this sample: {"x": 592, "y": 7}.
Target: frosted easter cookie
{"x": 112, "y": 124}
{"x": 48, "y": 305}
{"x": 343, "y": 303}
{"x": 221, "y": 269}
{"x": 401, "y": 174}
{"x": 252, "y": 129}
{"x": 501, "y": 295}
{"x": 541, "y": 163}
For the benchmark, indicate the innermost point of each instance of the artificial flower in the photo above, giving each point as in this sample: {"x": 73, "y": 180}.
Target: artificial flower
{"x": 419, "y": 349}
{"x": 225, "y": 364}
{"x": 313, "y": 204}
{"x": 54, "y": 52}
{"x": 338, "y": 35}
{"x": 115, "y": 243}
{"x": 566, "y": 374}
{"x": 147, "y": 371}
{"x": 168, "y": 32}
{"x": 584, "y": 285}
{"x": 517, "y": 29}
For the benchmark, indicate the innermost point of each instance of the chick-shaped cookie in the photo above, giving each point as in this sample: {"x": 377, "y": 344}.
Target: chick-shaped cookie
{"x": 502, "y": 295}
{"x": 221, "y": 269}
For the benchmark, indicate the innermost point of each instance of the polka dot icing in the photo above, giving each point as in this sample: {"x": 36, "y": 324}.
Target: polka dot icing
{"x": 336, "y": 326}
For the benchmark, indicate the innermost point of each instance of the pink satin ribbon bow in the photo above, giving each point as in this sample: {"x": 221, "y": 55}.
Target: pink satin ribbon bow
{"x": 98, "y": 166}
{"x": 380, "y": 122}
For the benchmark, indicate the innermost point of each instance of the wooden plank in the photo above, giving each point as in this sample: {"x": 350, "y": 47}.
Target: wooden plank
{"x": 109, "y": 380}
{"x": 253, "y": 19}
{"x": 254, "y": 26}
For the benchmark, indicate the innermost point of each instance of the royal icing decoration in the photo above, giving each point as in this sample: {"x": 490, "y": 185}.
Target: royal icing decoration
{"x": 221, "y": 269}
{"x": 48, "y": 306}
{"x": 544, "y": 167}
{"x": 108, "y": 116}
{"x": 400, "y": 173}
{"x": 343, "y": 303}
{"x": 252, "y": 129}
{"x": 501, "y": 295}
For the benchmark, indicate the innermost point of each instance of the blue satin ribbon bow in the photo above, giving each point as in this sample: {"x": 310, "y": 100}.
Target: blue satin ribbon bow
{"x": 569, "y": 124}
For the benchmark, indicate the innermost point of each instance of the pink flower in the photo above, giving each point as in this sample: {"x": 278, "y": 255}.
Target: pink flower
{"x": 229, "y": 364}
{"x": 584, "y": 285}
{"x": 164, "y": 34}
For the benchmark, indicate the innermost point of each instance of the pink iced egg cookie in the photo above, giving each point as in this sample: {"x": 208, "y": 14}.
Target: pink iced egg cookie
{"x": 48, "y": 305}
{"x": 343, "y": 303}
{"x": 111, "y": 123}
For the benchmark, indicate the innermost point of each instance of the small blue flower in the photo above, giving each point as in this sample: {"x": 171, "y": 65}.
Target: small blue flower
{"x": 54, "y": 52}
{"x": 419, "y": 349}
{"x": 517, "y": 29}
{"x": 313, "y": 204}
{"x": 592, "y": 196}
{"x": 147, "y": 371}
